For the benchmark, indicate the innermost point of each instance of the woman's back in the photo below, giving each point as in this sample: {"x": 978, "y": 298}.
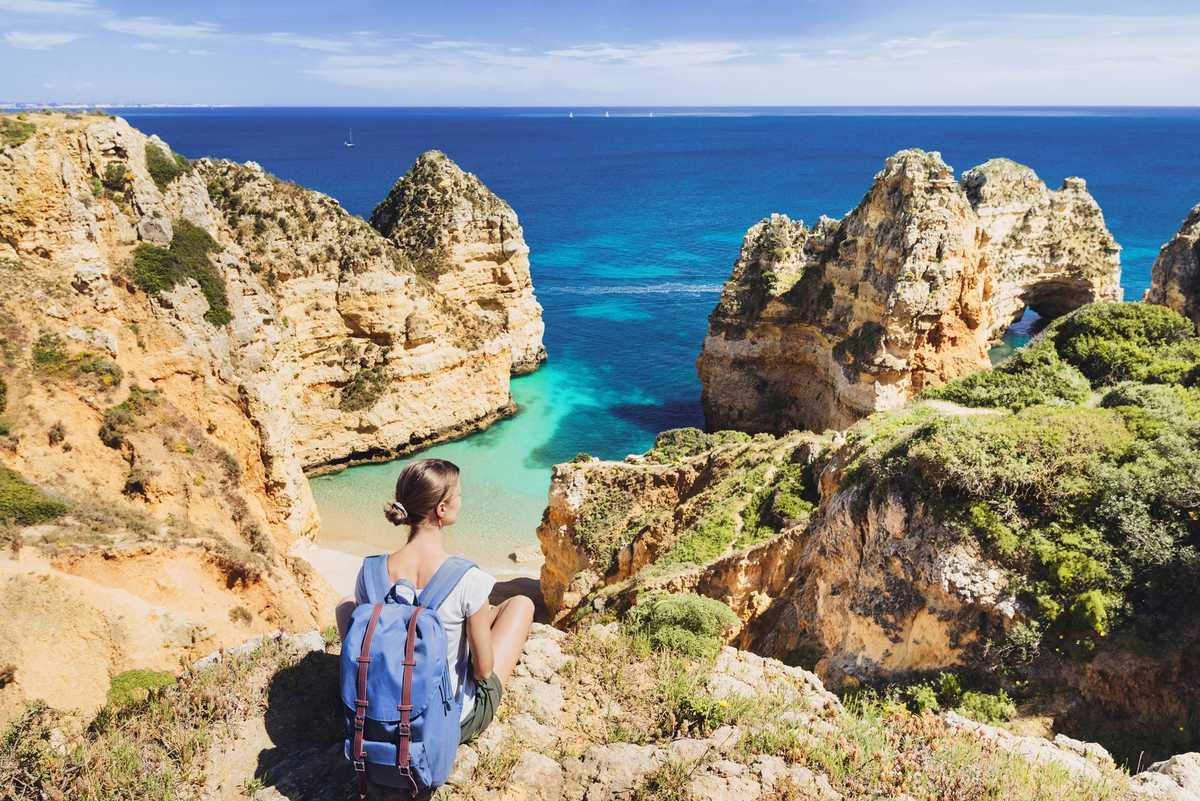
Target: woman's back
{"x": 412, "y": 567}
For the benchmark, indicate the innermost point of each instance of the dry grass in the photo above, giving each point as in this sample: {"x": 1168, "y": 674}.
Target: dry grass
{"x": 154, "y": 749}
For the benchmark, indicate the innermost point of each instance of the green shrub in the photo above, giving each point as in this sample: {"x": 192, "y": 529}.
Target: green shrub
{"x": 707, "y": 539}
{"x": 683, "y": 623}
{"x": 51, "y": 357}
{"x": 14, "y": 132}
{"x": 792, "y": 500}
{"x": 165, "y": 166}
{"x": 994, "y": 707}
{"x": 1113, "y": 342}
{"x": 364, "y": 390}
{"x": 119, "y": 419}
{"x": 676, "y": 444}
{"x": 114, "y": 178}
{"x": 24, "y": 504}
{"x": 48, "y": 351}
{"x": 1044, "y": 454}
{"x": 133, "y": 685}
{"x": 156, "y": 269}
{"x": 3, "y": 395}
{"x": 945, "y": 692}
{"x": 1032, "y": 376}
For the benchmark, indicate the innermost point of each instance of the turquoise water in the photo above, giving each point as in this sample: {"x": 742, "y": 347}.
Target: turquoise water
{"x": 633, "y": 224}
{"x": 504, "y": 491}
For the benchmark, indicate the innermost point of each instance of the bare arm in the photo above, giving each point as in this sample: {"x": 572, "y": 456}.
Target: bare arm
{"x": 479, "y": 636}
{"x": 342, "y": 614}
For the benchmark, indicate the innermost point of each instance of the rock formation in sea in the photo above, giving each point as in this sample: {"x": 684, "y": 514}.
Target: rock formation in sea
{"x": 469, "y": 242}
{"x": 1175, "y": 279}
{"x": 818, "y": 327}
{"x": 1035, "y": 521}
{"x": 181, "y": 342}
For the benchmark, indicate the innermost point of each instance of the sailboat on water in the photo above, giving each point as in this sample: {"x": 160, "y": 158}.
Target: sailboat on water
{"x": 350, "y": 142}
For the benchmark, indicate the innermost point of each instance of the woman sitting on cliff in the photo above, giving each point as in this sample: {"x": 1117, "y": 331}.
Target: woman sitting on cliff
{"x": 428, "y": 497}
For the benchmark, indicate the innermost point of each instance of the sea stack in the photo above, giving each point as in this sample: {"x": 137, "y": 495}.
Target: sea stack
{"x": 460, "y": 235}
{"x": 1175, "y": 279}
{"x": 818, "y": 327}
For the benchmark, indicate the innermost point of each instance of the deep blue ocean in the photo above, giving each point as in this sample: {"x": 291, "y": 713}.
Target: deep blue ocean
{"x": 634, "y": 221}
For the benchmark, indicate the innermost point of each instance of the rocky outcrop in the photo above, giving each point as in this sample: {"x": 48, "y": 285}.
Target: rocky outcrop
{"x": 818, "y": 327}
{"x": 457, "y": 231}
{"x": 696, "y": 512}
{"x": 1175, "y": 279}
{"x": 589, "y": 716}
{"x": 876, "y": 586}
{"x": 181, "y": 342}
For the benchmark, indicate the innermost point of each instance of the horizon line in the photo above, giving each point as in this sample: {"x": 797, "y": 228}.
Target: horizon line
{"x": 58, "y": 105}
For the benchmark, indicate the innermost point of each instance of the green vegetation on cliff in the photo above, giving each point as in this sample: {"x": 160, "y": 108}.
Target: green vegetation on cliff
{"x": 165, "y": 166}
{"x": 24, "y": 504}
{"x": 683, "y": 623}
{"x": 1087, "y": 492}
{"x": 15, "y": 131}
{"x": 157, "y": 269}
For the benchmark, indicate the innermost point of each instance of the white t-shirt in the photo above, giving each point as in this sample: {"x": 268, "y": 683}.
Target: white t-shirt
{"x": 467, "y": 598}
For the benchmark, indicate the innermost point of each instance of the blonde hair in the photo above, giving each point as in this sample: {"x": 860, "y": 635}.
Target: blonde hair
{"x": 419, "y": 489}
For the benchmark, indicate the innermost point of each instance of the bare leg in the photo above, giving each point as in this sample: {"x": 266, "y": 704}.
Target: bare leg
{"x": 510, "y": 629}
{"x": 341, "y": 614}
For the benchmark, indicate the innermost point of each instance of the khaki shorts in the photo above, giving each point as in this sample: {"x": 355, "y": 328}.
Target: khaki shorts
{"x": 487, "y": 698}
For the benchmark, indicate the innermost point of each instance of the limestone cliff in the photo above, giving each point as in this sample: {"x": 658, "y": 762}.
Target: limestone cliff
{"x": 819, "y": 327}
{"x": 1175, "y": 279}
{"x": 181, "y": 341}
{"x": 459, "y": 233}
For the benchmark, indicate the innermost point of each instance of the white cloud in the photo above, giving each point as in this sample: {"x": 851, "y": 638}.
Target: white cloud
{"x": 1016, "y": 59}
{"x": 39, "y": 41}
{"x": 319, "y": 43}
{"x": 67, "y": 7}
{"x": 662, "y": 54}
{"x": 159, "y": 28}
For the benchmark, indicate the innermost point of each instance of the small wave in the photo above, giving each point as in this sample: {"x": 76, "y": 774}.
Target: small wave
{"x": 672, "y": 288}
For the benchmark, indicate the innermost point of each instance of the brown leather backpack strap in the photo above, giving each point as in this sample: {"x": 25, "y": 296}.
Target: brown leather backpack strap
{"x": 404, "y": 732}
{"x": 360, "y": 703}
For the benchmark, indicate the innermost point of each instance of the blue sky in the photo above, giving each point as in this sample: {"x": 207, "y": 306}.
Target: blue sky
{"x": 605, "y": 52}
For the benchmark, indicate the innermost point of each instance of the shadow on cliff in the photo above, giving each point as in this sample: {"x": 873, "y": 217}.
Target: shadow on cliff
{"x": 303, "y": 722}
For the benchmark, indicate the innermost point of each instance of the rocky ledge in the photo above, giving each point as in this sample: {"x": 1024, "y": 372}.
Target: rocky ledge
{"x": 818, "y": 327}
{"x": 590, "y": 716}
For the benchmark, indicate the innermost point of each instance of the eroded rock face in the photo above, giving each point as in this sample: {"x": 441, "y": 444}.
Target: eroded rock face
{"x": 467, "y": 240}
{"x": 1175, "y": 279}
{"x": 695, "y": 513}
{"x": 819, "y": 327}
{"x": 876, "y": 587}
{"x": 177, "y": 413}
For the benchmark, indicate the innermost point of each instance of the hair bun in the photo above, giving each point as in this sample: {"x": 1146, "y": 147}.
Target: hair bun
{"x": 396, "y": 513}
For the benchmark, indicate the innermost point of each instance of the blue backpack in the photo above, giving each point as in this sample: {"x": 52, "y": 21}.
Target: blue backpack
{"x": 402, "y": 720}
